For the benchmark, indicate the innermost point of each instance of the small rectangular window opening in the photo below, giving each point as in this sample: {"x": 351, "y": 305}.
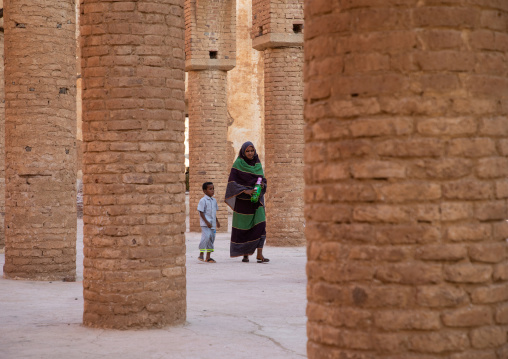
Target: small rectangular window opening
{"x": 297, "y": 28}
{"x": 213, "y": 54}
{"x": 260, "y": 30}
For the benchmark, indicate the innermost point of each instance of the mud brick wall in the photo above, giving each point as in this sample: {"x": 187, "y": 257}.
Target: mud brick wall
{"x": 284, "y": 144}
{"x": 133, "y": 171}
{"x": 210, "y": 27}
{"x": 406, "y": 167}
{"x": 275, "y": 16}
{"x": 40, "y": 146}
{"x": 208, "y": 130}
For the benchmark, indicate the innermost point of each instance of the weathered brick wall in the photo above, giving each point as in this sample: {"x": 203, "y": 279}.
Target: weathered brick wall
{"x": 211, "y": 27}
{"x": 283, "y": 107}
{"x": 406, "y": 145}
{"x": 275, "y": 16}
{"x": 133, "y": 171}
{"x": 260, "y": 17}
{"x": 79, "y": 121}
{"x": 245, "y": 89}
{"x": 208, "y": 131}
{"x": 2, "y": 140}
{"x": 40, "y": 132}
{"x": 284, "y": 144}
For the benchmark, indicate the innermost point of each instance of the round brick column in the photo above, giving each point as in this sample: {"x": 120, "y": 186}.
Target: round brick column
{"x": 210, "y": 38}
{"x": 133, "y": 171}
{"x": 284, "y": 144}
{"x": 2, "y": 143}
{"x": 406, "y": 166}
{"x": 40, "y": 147}
{"x": 277, "y": 30}
{"x": 208, "y": 129}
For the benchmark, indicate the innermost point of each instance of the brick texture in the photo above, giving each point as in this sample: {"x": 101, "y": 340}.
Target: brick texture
{"x": 275, "y": 16}
{"x": 284, "y": 145}
{"x": 281, "y": 42}
{"x": 40, "y": 147}
{"x": 210, "y": 51}
{"x": 208, "y": 131}
{"x": 2, "y": 142}
{"x": 210, "y": 26}
{"x": 133, "y": 170}
{"x": 405, "y": 170}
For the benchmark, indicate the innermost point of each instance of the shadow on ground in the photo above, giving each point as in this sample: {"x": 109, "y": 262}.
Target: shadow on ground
{"x": 234, "y": 310}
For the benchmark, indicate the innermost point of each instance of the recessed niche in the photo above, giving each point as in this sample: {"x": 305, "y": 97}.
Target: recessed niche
{"x": 213, "y": 54}
{"x": 297, "y": 28}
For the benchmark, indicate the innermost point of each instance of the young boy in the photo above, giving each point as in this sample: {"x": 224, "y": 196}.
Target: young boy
{"x": 207, "y": 208}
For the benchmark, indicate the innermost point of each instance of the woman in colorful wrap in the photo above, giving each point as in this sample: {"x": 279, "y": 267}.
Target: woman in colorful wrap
{"x": 249, "y": 222}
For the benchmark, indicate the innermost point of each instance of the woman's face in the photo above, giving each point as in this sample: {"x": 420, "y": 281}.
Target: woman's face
{"x": 249, "y": 152}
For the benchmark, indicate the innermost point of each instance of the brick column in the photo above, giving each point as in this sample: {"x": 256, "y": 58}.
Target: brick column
{"x": 210, "y": 48}
{"x": 40, "y": 147}
{"x": 284, "y": 145}
{"x": 278, "y": 31}
{"x": 133, "y": 171}
{"x": 208, "y": 130}
{"x": 406, "y": 190}
{"x": 2, "y": 138}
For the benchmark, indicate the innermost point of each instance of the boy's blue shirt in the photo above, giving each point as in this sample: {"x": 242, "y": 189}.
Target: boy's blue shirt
{"x": 208, "y": 205}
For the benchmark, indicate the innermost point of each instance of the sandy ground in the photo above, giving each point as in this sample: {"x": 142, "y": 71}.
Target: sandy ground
{"x": 234, "y": 310}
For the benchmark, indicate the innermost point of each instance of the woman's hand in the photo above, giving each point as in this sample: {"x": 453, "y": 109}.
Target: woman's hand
{"x": 249, "y": 192}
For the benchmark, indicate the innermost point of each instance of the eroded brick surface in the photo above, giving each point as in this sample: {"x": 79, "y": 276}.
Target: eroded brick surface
{"x": 208, "y": 131}
{"x": 277, "y": 30}
{"x": 210, "y": 26}
{"x": 210, "y": 51}
{"x": 40, "y": 147}
{"x": 133, "y": 170}
{"x": 405, "y": 179}
{"x": 2, "y": 141}
{"x": 284, "y": 145}
{"x": 275, "y": 16}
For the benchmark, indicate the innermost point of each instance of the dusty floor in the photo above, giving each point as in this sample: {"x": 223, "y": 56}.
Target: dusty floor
{"x": 235, "y": 310}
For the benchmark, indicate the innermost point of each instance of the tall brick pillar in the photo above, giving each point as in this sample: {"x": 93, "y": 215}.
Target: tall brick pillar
{"x": 40, "y": 132}
{"x": 2, "y": 136}
{"x": 210, "y": 48}
{"x": 406, "y": 190}
{"x": 133, "y": 171}
{"x": 277, "y": 29}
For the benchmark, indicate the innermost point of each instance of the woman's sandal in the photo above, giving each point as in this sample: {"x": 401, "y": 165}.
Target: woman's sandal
{"x": 263, "y": 260}
{"x": 211, "y": 260}
{"x": 245, "y": 260}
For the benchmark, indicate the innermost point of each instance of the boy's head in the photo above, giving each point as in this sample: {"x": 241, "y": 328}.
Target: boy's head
{"x": 208, "y": 189}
